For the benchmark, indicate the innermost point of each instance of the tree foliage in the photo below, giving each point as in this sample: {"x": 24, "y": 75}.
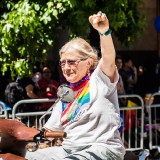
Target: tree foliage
{"x": 29, "y": 27}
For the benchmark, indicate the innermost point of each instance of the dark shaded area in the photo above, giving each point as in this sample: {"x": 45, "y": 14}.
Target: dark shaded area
{"x": 4, "y": 80}
{"x": 94, "y": 40}
{"x": 140, "y": 57}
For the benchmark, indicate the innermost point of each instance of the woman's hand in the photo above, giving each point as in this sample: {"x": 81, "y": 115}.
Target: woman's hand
{"x": 99, "y": 22}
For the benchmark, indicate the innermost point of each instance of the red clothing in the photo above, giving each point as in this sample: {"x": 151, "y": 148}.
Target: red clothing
{"x": 48, "y": 89}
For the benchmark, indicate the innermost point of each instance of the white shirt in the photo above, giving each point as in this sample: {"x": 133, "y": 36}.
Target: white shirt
{"x": 100, "y": 121}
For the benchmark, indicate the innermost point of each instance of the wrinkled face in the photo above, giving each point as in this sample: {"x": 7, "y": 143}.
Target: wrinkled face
{"x": 74, "y": 66}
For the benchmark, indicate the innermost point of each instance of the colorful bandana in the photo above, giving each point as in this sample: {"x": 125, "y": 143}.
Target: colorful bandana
{"x": 73, "y": 111}
{"x": 81, "y": 83}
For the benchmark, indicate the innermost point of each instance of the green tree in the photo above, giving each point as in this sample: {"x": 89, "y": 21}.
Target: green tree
{"x": 29, "y": 28}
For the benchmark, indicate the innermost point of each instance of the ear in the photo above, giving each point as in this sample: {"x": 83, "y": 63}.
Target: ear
{"x": 90, "y": 63}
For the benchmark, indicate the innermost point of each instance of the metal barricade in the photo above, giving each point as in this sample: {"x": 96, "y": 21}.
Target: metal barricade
{"x": 3, "y": 111}
{"x": 28, "y": 115}
{"x": 153, "y": 109}
{"x": 132, "y": 123}
{"x": 127, "y": 135}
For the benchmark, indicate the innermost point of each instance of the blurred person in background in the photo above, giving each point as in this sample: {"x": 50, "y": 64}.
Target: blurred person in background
{"x": 129, "y": 75}
{"x": 120, "y": 85}
{"x": 31, "y": 91}
{"x": 48, "y": 87}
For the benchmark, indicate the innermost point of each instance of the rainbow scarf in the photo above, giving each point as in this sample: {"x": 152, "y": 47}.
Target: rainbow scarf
{"x": 73, "y": 111}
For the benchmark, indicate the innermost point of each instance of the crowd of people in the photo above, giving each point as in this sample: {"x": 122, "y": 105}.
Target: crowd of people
{"x": 39, "y": 84}
{"x": 92, "y": 120}
{"x": 142, "y": 80}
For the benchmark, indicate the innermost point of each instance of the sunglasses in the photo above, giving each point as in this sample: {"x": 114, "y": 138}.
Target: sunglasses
{"x": 70, "y": 62}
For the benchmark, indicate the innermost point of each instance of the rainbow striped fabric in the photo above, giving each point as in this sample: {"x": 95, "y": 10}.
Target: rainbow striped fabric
{"x": 73, "y": 111}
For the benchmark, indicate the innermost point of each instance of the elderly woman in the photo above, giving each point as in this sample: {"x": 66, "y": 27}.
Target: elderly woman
{"x": 92, "y": 120}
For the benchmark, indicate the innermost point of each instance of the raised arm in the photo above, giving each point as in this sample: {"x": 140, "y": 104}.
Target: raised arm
{"x": 100, "y": 22}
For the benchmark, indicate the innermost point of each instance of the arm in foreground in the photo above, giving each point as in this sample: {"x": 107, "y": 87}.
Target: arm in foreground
{"x": 100, "y": 22}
